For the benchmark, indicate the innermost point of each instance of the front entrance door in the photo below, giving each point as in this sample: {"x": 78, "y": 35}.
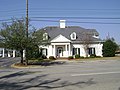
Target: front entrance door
{"x": 60, "y": 51}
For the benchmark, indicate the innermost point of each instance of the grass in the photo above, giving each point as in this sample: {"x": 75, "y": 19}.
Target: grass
{"x": 46, "y": 62}
{"x": 102, "y": 58}
{"x": 33, "y": 63}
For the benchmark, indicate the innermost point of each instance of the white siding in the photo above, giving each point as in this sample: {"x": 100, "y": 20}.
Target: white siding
{"x": 98, "y": 49}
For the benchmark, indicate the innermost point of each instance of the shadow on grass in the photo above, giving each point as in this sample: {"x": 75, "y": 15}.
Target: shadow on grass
{"x": 48, "y": 63}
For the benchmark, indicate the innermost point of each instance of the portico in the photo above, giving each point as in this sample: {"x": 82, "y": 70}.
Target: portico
{"x": 60, "y": 50}
{"x": 61, "y": 46}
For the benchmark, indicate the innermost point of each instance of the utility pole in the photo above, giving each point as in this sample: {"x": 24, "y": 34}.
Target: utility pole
{"x": 27, "y": 18}
{"x": 26, "y": 51}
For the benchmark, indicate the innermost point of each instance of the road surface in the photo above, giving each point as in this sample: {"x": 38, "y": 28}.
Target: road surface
{"x": 89, "y": 75}
{"x": 7, "y": 62}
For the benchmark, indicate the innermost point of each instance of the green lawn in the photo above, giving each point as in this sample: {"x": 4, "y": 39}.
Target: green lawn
{"x": 102, "y": 58}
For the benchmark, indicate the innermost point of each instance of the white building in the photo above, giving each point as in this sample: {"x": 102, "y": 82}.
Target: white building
{"x": 65, "y": 41}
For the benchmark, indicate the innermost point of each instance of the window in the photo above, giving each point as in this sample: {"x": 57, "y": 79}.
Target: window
{"x": 45, "y": 36}
{"x": 91, "y": 51}
{"x": 44, "y": 51}
{"x": 76, "y": 51}
{"x": 73, "y": 36}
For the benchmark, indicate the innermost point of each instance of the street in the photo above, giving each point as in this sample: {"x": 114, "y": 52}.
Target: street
{"x": 88, "y": 75}
{"x": 7, "y": 62}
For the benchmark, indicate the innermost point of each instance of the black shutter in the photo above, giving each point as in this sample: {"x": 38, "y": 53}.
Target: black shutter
{"x": 94, "y": 51}
{"x": 46, "y": 52}
{"x": 79, "y": 51}
{"x": 73, "y": 51}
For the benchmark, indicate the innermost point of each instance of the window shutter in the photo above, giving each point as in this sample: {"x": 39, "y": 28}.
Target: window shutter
{"x": 73, "y": 51}
{"x": 46, "y": 52}
{"x": 79, "y": 51}
{"x": 94, "y": 50}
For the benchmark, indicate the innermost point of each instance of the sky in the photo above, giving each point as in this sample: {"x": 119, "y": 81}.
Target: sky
{"x": 102, "y": 15}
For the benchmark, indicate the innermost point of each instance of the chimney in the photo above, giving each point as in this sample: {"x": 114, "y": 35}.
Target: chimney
{"x": 62, "y": 23}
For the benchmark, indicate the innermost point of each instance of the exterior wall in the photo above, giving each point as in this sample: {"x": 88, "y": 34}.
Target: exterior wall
{"x": 67, "y": 49}
{"x": 82, "y": 51}
{"x": 8, "y": 54}
{"x": 98, "y": 49}
{"x": 52, "y": 49}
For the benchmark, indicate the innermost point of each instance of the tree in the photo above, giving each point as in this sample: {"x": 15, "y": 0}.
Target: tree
{"x": 40, "y": 38}
{"x": 15, "y": 36}
{"x": 109, "y": 48}
{"x": 86, "y": 39}
{"x": 33, "y": 50}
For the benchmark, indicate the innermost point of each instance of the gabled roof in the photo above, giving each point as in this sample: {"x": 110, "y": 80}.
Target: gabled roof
{"x": 60, "y": 38}
{"x": 54, "y": 31}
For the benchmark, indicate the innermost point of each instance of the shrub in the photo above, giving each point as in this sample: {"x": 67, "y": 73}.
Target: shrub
{"x": 98, "y": 56}
{"x": 43, "y": 57}
{"x": 92, "y": 55}
{"x": 86, "y": 57}
{"x": 82, "y": 57}
{"x": 77, "y": 56}
{"x": 70, "y": 57}
{"x": 39, "y": 59}
{"x": 109, "y": 48}
{"x": 52, "y": 58}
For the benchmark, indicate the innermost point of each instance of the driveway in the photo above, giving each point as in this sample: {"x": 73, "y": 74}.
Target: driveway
{"x": 89, "y": 75}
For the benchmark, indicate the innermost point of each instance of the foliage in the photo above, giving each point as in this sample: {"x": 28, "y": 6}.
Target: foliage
{"x": 43, "y": 57}
{"x": 92, "y": 56}
{"x": 86, "y": 41}
{"x": 82, "y": 57}
{"x": 38, "y": 37}
{"x": 15, "y": 37}
{"x": 70, "y": 57}
{"x": 52, "y": 58}
{"x": 109, "y": 48}
{"x": 33, "y": 52}
{"x": 98, "y": 56}
{"x": 77, "y": 56}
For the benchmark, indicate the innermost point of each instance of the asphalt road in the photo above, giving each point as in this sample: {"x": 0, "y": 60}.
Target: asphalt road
{"x": 89, "y": 75}
{"x": 7, "y": 62}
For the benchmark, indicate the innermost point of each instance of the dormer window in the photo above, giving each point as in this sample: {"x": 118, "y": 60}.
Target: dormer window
{"x": 96, "y": 36}
{"x": 73, "y": 36}
{"x": 45, "y": 36}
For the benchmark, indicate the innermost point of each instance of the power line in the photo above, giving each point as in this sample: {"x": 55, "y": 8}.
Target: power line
{"x": 79, "y": 17}
{"x": 75, "y": 9}
{"x": 59, "y": 9}
{"x": 5, "y": 20}
{"x": 76, "y": 22}
{"x": 14, "y": 10}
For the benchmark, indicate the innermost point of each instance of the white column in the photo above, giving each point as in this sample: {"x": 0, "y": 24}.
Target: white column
{"x": 3, "y": 52}
{"x": 66, "y": 52}
{"x": 69, "y": 50}
{"x": 23, "y": 53}
{"x": 13, "y": 53}
{"x": 77, "y": 51}
{"x": 54, "y": 51}
{"x": 66, "y": 47}
{"x": 9, "y": 54}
